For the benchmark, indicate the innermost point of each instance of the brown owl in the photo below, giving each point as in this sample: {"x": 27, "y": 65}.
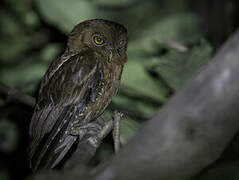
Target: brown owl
{"x": 76, "y": 89}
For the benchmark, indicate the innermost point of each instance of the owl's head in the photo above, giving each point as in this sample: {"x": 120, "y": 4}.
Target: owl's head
{"x": 106, "y": 38}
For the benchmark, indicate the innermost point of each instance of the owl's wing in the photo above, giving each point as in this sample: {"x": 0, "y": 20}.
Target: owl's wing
{"x": 64, "y": 91}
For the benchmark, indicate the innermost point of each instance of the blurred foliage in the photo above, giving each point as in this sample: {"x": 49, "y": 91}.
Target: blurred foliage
{"x": 4, "y": 175}
{"x": 177, "y": 68}
{"x": 167, "y": 47}
{"x": 8, "y": 136}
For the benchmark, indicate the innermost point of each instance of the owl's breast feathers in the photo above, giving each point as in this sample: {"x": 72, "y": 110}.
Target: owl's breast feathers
{"x": 75, "y": 90}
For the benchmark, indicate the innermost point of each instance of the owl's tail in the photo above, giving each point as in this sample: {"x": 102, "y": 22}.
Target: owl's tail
{"x": 54, "y": 145}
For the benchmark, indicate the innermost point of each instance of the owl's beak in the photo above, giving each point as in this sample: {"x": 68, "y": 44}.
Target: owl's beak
{"x": 110, "y": 56}
{"x": 113, "y": 55}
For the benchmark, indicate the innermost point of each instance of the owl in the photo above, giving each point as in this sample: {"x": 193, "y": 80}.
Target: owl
{"x": 76, "y": 89}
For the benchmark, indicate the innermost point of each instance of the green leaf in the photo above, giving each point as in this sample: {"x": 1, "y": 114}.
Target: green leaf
{"x": 177, "y": 68}
{"x": 25, "y": 76}
{"x": 137, "y": 79}
{"x": 4, "y": 174}
{"x": 8, "y": 135}
{"x": 66, "y": 14}
{"x": 113, "y": 3}
{"x": 128, "y": 129}
{"x": 13, "y": 41}
{"x": 136, "y": 107}
{"x": 50, "y": 52}
{"x": 182, "y": 28}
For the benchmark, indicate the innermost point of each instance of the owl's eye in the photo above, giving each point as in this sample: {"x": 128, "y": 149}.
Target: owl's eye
{"x": 98, "y": 40}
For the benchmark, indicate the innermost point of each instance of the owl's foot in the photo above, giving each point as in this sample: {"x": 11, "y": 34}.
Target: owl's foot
{"x": 97, "y": 130}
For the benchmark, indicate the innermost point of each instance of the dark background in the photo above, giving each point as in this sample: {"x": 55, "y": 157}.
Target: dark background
{"x": 170, "y": 41}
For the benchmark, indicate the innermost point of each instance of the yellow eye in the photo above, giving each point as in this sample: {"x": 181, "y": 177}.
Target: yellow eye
{"x": 98, "y": 40}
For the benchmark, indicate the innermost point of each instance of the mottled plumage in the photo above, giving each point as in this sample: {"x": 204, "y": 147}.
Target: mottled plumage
{"x": 76, "y": 89}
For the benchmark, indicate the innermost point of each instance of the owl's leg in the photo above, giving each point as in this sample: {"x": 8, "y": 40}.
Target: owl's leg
{"x": 107, "y": 126}
{"x": 98, "y": 129}
{"x": 116, "y": 130}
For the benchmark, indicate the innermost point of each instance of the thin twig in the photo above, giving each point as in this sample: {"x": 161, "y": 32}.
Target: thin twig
{"x": 12, "y": 93}
{"x": 176, "y": 46}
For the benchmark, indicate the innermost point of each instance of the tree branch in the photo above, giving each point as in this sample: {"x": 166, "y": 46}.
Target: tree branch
{"x": 12, "y": 93}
